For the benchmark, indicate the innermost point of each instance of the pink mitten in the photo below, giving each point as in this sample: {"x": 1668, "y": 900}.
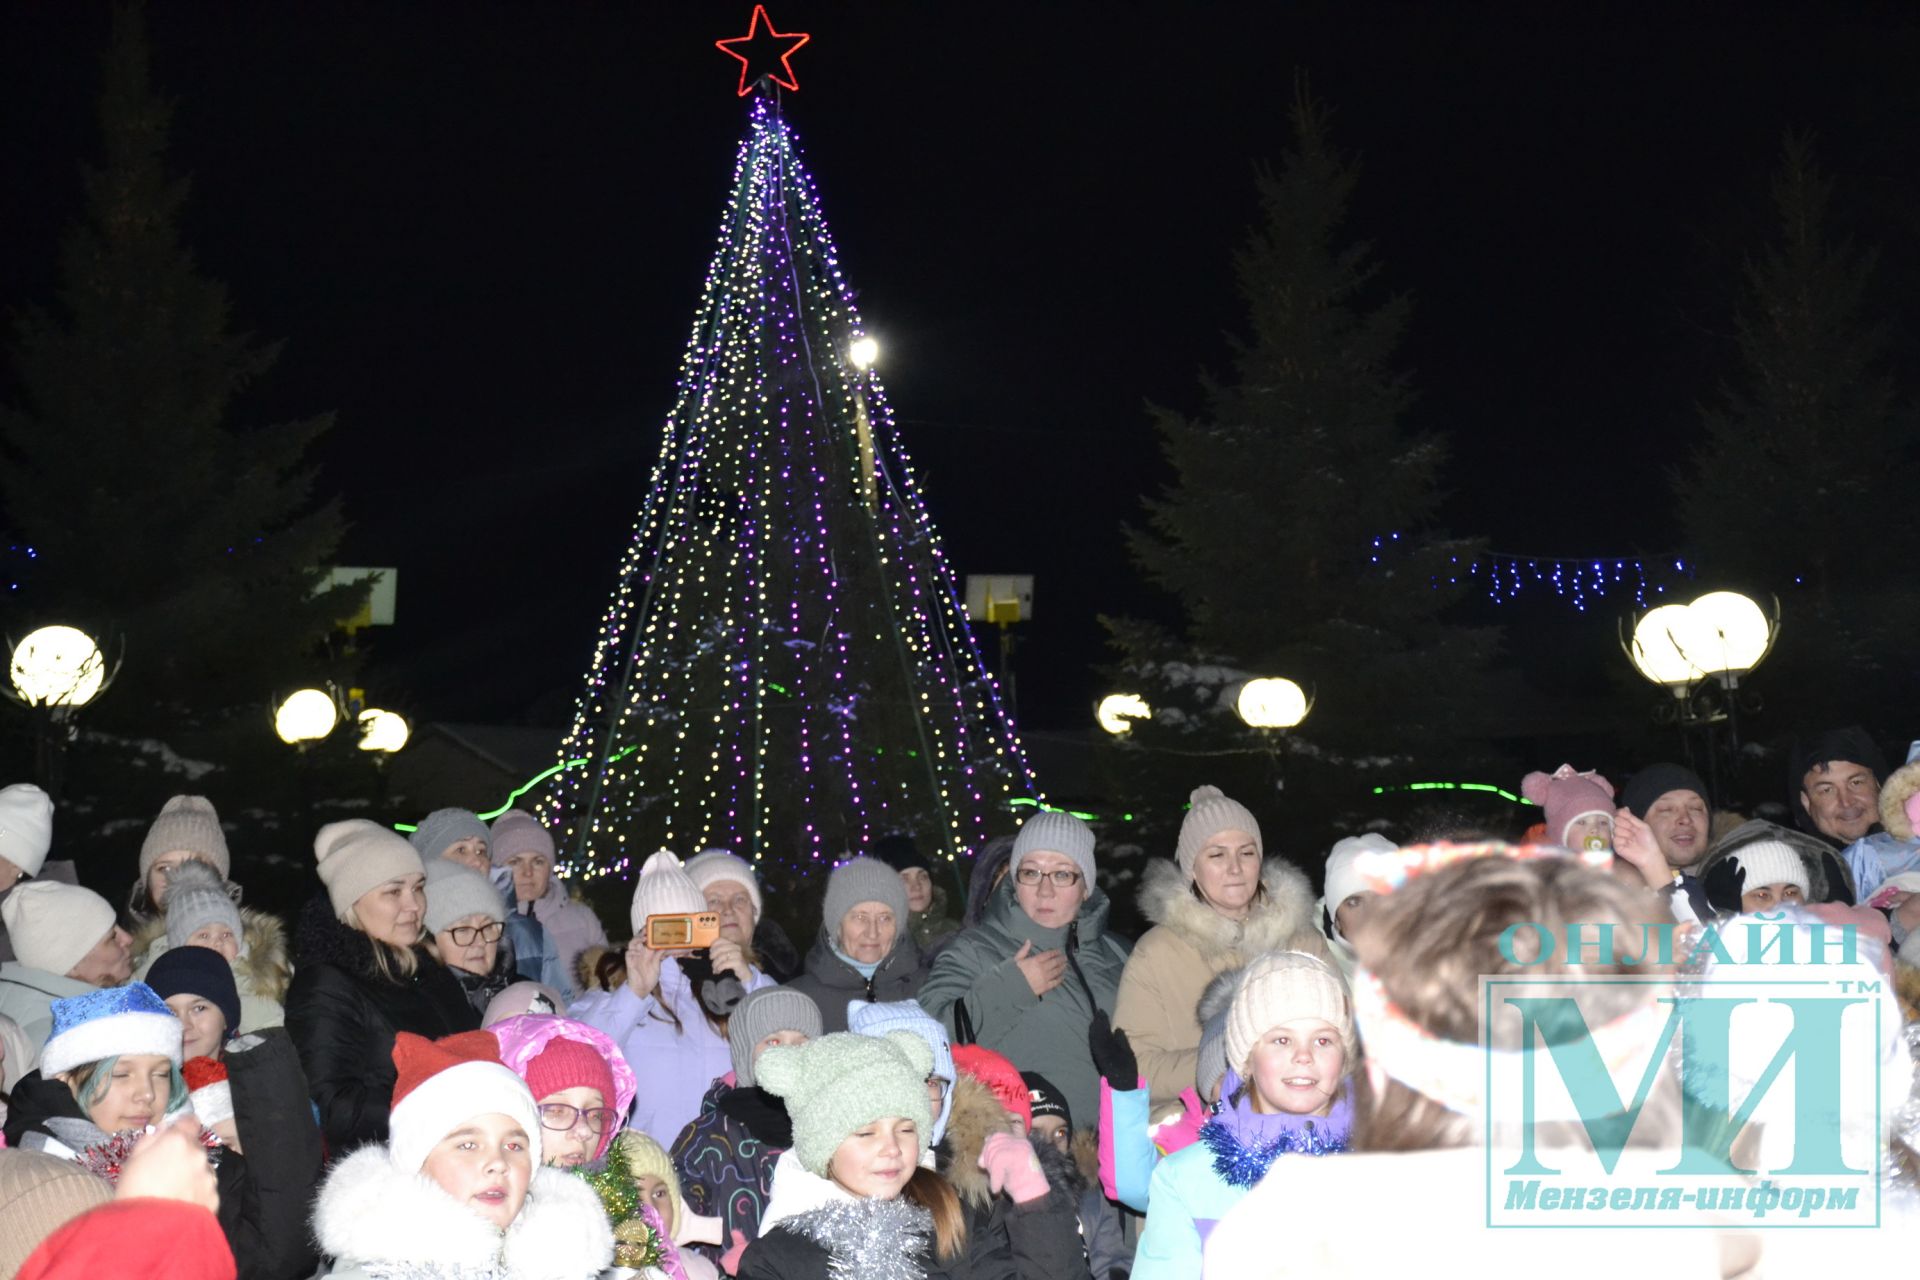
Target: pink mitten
{"x": 730, "y": 1260}
{"x": 1012, "y": 1168}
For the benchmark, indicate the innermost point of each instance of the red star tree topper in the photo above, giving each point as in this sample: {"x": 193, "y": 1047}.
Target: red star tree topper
{"x": 764, "y": 52}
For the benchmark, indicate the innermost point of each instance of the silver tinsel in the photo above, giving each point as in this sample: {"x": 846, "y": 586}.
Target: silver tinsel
{"x": 870, "y": 1239}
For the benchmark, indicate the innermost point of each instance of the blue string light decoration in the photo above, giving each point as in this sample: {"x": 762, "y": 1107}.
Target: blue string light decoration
{"x": 1580, "y": 580}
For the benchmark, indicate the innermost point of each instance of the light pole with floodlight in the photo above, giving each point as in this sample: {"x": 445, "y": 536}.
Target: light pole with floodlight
{"x": 56, "y": 671}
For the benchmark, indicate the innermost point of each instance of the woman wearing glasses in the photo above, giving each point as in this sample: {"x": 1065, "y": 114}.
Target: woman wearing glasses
{"x": 465, "y": 923}
{"x": 1028, "y": 980}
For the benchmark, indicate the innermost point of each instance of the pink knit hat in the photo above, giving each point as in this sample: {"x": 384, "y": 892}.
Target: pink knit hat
{"x": 1567, "y": 796}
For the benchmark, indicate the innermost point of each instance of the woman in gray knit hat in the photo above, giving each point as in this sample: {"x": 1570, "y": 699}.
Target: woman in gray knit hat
{"x": 865, "y": 950}
{"x": 1031, "y": 978}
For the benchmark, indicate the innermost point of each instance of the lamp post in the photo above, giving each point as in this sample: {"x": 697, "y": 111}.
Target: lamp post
{"x": 56, "y": 671}
{"x": 1699, "y": 652}
{"x": 1273, "y": 705}
{"x": 382, "y": 731}
{"x": 306, "y": 716}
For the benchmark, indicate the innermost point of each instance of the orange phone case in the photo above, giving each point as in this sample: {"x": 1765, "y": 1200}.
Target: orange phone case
{"x": 683, "y": 931}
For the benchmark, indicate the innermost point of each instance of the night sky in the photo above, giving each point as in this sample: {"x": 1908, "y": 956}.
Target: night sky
{"x": 481, "y": 229}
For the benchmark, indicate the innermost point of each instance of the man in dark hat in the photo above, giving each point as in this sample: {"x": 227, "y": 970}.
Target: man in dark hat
{"x": 1833, "y": 787}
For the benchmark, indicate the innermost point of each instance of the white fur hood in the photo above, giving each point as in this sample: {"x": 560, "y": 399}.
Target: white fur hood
{"x": 370, "y": 1212}
{"x": 1277, "y": 921}
{"x": 797, "y": 1190}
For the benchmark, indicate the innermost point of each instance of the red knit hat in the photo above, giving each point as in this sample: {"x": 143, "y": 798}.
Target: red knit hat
{"x": 571, "y": 1064}
{"x": 441, "y": 1084}
{"x": 999, "y": 1075}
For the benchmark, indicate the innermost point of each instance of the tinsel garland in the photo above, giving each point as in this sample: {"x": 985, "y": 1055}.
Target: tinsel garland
{"x": 108, "y": 1159}
{"x": 636, "y": 1242}
{"x": 1242, "y": 1164}
{"x": 870, "y": 1239}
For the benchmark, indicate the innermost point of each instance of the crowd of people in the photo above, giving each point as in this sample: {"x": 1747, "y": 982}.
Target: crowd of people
{"x": 445, "y": 1069}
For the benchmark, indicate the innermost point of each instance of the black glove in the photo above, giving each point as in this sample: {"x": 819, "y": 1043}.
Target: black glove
{"x": 717, "y": 993}
{"x": 1112, "y": 1054}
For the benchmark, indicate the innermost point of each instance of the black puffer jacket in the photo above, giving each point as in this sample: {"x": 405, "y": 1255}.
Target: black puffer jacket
{"x": 274, "y": 1119}
{"x": 831, "y": 981}
{"x": 48, "y": 1108}
{"x": 343, "y": 1014}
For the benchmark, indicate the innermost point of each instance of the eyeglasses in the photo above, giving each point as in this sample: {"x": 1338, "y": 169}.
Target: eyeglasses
{"x": 1031, "y": 876}
{"x": 561, "y": 1117}
{"x": 463, "y": 935}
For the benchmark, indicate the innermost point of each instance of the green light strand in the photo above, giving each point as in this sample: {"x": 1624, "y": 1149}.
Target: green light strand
{"x": 529, "y": 785}
{"x": 1489, "y": 788}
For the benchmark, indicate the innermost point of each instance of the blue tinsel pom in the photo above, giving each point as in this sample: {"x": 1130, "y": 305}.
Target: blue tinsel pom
{"x": 1242, "y": 1164}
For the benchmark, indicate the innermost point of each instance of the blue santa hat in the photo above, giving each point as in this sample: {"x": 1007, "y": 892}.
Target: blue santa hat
{"x": 109, "y": 1024}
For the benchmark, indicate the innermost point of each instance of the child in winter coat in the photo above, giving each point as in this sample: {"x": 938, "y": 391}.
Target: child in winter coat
{"x": 1070, "y": 1160}
{"x": 580, "y": 1081}
{"x": 851, "y": 1197}
{"x": 725, "y": 1157}
{"x": 659, "y": 1187}
{"x": 663, "y": 1012}
{"x": 1290, "y": 1051}
{"x": 109, "y": 1072}
{"x": 188, "y": 898}
{"x": 259, "y": 1105}
{"x": 459, "y": 1188}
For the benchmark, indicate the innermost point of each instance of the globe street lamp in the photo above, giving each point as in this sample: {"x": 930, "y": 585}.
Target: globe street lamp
{"x": 306, "y": 716}
{"x": 383, "y": 731}
{"x": 1271, "y": 702}
{"x": 60, "y": 667}
{"x": 54, "y": 672}
{"x": 1117, "y": 711}
{"x": 1719, "y": 637}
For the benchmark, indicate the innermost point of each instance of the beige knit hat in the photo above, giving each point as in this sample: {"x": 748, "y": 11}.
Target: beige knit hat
{"x": 720, "y": 864}
{"x": 1284, "y": 986}
{"x": 189, "y": 823}
{"x": 52, "y": 926}
{"x": 358, "y": 855}
{"x": 664, "y": 889}
{"x": 39, "y": 1194}
{"x": 1210, "y": 813}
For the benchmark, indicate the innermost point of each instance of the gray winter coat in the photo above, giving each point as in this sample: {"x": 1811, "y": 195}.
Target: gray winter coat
{"x": 1046, "y": 1034}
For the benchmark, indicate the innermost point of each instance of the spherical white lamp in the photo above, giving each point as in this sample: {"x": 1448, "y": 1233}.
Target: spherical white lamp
{"x": 1117, "y": 712}
{"x": 1271, "y": 702}
{"x": 1729, "y": 633}
{"x": 306, "y": 716}
{"x": 863, "y": 352}
{"x": 382, "y": 731}
{"x": 1657, "y": 648}
{"x": 58, "y": 667}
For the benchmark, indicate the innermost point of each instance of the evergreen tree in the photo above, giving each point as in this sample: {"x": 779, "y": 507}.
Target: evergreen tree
{"x": 154, "y": 518}
{"x": 1799, "y": 488}
{"x": 1296, "y": 530}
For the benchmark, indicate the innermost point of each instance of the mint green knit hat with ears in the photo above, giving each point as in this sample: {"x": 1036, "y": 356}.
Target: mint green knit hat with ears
{"x": 840, "y": 1082}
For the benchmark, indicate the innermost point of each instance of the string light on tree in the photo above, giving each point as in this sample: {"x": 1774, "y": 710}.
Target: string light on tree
{"x": 1579, "y": 580}
{"x": 785, "y": 667}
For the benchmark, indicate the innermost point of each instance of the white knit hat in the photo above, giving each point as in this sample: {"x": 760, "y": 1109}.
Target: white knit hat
{"x": 357, "y": 856}
{"x": 52, "y": 926}
{"x": 1285, "y": 986}
{"x": 1343, "y": 880}
{"x": 1766, "y": 862}
{"x": 108, "y": 1023}
{"x": 455, "y": 892}
{"x": 1209, "y": 813}
{"x": 718, "y": 864}
{"x": 26, "y": 826}
{"x": 664, "y": 889}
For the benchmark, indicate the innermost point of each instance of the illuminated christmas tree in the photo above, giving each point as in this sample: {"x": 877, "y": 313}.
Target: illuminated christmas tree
{"x": 785, "y": 668}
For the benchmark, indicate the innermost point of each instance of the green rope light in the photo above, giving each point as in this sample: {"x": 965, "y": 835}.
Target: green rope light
{"x": 527, "y": 786}
{"x": 1487, "y": 787}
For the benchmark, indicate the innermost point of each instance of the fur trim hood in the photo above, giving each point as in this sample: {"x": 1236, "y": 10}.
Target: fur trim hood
{"x": 263, "y": 970}
{"x": 973, "y": 1115}
{"x": 369, "y": 1212}
{"x": 1901, "y": 786}
{"x": 1276, "y": 922}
